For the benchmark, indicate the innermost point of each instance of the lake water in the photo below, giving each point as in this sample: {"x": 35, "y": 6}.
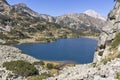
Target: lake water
{"x": 78, "y": 50}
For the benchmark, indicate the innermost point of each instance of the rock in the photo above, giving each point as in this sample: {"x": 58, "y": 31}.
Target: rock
{"x": 25, "y": 8}
{"x": 119, "y": 48}
{"x": 109, "y": 31}
{"x": 2, "y": 41}
{"x": 9, "y": 53}
{"x": 94, "y": 14}
{"x": 80, "y": 22}
{"x": 89, "y": 72}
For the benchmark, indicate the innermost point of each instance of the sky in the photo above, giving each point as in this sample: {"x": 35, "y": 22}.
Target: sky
{"x": 60, "y": 7}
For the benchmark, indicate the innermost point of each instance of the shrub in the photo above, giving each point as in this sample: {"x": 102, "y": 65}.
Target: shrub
{"x": 118, "y": 56}
{"x": 9, "y": 42}
{"x": 116, "y": 41}
{"x": 118, "y": 76}
{"x": 49, "y": 66}
{"x": 40, "y": 77}
{"x": 3, "y": 36}
{"x": 20, "y": 67}
{"x": 39, "y": 63}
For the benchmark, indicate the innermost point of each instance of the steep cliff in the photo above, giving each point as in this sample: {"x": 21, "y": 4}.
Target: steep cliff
{"x": 109, "y": 32}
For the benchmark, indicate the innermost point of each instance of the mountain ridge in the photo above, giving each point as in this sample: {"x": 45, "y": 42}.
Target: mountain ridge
{"x": 94, "y": 14}
{"x": 107, "y": 59}
{"x": 20, "y": 22}
{"x": 75, "y": 23}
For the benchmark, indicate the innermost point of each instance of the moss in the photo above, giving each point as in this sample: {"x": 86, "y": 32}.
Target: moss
{"x": 20, "y": 67}
{"x": 116, "y": 41}
{"x": 118, "y": 76}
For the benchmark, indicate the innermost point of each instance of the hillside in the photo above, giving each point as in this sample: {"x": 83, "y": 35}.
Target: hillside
{"x": 106, "y": 64}
{"x": 21, "y": 24}
{"x": 81, "y": 23}
{"x": 17, "y": 24}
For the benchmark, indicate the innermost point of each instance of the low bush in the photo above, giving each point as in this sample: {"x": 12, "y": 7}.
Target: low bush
{"x": 116, "y": 41}
{"x": 21, "y": 67}
{"x": 39, "y": 63}
{"x": 40, "y": 77}
{"x": 49, "y": 66}
{"x": 118, "y": 76}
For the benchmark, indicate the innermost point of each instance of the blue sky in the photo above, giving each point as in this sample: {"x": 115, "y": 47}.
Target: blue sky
{"x": 60, "y": 7}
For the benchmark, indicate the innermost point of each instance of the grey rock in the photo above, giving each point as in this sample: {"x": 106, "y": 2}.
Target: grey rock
{"x": 80, "y": 22}
{"x": 9, "y": 53}
{"x": 109, "y": 31}
{"x": 42, "y": 17}
{"x": 89, "y": 72}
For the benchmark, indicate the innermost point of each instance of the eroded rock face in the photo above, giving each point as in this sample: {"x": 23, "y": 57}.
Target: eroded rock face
{"x": 109, "y": 31}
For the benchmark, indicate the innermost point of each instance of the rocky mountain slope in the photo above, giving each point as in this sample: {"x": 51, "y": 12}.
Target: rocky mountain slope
{"x": 109, "y": 37}
{"x": 106, "y": 65}
{"x": 43, "y": 17}
{"x": 81, "y": 22}
{"x": 18, "y": 23}
{"x": 94, "y": 14}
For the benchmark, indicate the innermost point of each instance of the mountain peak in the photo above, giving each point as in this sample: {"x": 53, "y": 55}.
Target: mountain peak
{"x": 94, "y": 14}
{"x": 21, "y": 5}
{"x": 4, "y": 2}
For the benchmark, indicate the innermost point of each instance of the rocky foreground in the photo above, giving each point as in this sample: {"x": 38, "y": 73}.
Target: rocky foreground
{"x": 95, "y": 71}
{"x": 7, "y": 54}
{"x": 90, "y": 72}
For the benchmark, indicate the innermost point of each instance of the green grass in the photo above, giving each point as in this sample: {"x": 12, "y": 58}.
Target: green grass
{"x": 116, "y": 41}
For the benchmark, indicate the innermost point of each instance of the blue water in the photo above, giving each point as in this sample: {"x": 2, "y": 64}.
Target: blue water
{"x": 78, "y": 50}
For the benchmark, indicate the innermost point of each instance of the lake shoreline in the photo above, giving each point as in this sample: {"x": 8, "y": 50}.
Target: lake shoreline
{"x": 62, "y": 50}
{"x": 33, "y": 41}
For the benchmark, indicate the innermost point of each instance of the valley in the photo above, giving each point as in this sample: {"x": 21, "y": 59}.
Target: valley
{"x": 26, "y": 35}
{"x": 20, "y": 24}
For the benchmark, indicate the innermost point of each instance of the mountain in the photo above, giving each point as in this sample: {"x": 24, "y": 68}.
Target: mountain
{"x": 4, "y": 6}
{"x": 109, "y": 40}
{"x": 94, "y": 14}
{"x": 81, "y": 23}
{"x": 43, "y": 17}
{"x": 106, "y": 65}
{"x": 18, "y": 23}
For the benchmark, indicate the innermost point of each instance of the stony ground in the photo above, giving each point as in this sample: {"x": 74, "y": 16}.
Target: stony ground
{"x": 90, "y": 72}
{"x": 8, "y": 53}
